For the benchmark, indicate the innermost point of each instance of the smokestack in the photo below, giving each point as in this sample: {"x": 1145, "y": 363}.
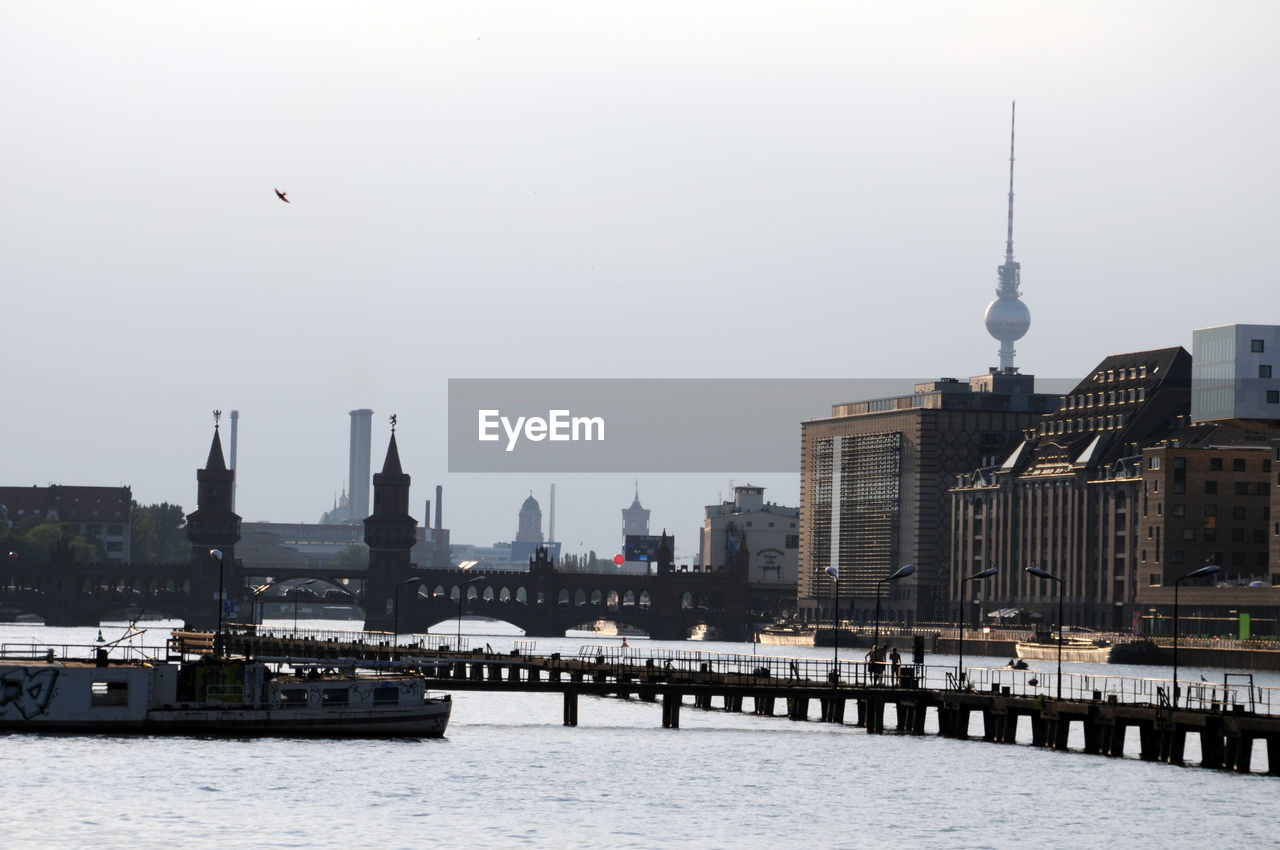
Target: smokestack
{"x": 551, "y": 527}
{"x": 360, "y": 476}
{"x": 439, "y": 502}
{"x": 235, "y": 434}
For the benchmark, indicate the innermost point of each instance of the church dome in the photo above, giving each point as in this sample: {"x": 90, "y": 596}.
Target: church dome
{"x": 530, "y": 504}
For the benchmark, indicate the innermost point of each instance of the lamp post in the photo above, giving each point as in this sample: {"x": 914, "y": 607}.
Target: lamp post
{"x": 395, "y": 607}
{"x": 901, "y": 572}
{"x": 1039, "y": 573}
{"x": 987, "y": 573}
{"x": 462, "y": 594}
{"x": 216, "y": 554}
{"x": 1206, "y": 570}
{"x": 834, "y": 572}
{"x": 296, "y": 588}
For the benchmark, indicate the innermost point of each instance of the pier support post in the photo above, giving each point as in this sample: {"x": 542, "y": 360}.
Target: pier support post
{"x": 570, "y": 708}
{"x": 764, "y": 706}
{"x": 1149, "y": 739}
{"x": 1212, "y": 748}
{"x": 875, "y": 715}
{"x": 798, "y": 708}
{"x": 671, "y": 710}
{"x": 1273, "y": 755}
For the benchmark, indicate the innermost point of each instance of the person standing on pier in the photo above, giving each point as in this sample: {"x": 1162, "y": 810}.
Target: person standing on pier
{"x": 895, "y": 664}
{"x": 875, "y": 656}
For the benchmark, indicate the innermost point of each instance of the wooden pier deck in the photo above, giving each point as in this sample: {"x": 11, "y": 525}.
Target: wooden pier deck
{"x": 1227, "y": 718}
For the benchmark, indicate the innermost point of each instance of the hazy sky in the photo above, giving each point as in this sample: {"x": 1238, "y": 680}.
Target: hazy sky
{"x": 589, "y": 189}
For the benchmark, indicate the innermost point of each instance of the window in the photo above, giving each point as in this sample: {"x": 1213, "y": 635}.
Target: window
{"x": 1215, "y": 463}
{"x": 1237, "y": 535}
{"x": 1264, "y": 371}
{"x": 386, "y": 695}
{"x": 293, "y": 698}
{"x": 1211, "y": 487}
{"x": 1273, "y": 396}
{"x": 1179, "y": 510}
{"x": 1237, "y": 464}
{"x": 108, "y": 694}
{"x": 1153, "y": 463}
{"x": 793, "y": 541}
{"x": 1188, "y": 534}
{"x": 1179, "y": 463}
{"x": 1210, "y": 510}
{"x": 335, "y": 696}
{"x": 1237, "y": 512}
{"x": 1242, "y": 488}
{"x": 1257, "y": 346}
{"x": 1237, "y": 558}
{"x": 1177, "y": 556}
{"x": 1154, "y": 580}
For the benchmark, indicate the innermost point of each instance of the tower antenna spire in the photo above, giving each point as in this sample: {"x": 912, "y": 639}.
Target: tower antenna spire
{"x": 1008, "y": 245}
{"x": 1007, "y": 317}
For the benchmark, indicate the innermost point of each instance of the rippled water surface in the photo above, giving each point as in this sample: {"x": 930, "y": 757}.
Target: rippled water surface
{"x": 509, "y": 774}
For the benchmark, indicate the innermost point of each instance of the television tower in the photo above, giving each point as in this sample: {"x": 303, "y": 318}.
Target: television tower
{"x": 1008, "y": 319}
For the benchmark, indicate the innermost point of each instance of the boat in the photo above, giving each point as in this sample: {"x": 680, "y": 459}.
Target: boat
{"x": 702, "y": 631}
{"x": 43, "y": 691}
{"x": 1142, "y": 651}
{"x": 785, "y": 634}
{"x": 1045, "y": 648}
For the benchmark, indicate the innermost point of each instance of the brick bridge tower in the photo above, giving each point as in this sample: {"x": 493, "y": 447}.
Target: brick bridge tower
{"x": 390, "y": 533}
{"x": 213, "y": 525}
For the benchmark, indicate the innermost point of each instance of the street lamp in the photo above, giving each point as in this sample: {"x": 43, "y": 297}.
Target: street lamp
{"x": 462, "y": 594}
{"x": 296, "y": 588}
{"x": 901, "y": 572}
{"x": 1206, "y": 570}
{"x": 834, "y": 572}
{"x": 395, "y": 607}
{"x": 987, "y": 573}
{"x": 1039, "y": 573}
{"x": 216, "y": 554}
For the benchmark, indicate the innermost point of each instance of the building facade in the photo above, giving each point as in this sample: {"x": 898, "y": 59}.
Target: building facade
{"x": 95, "y": 513}
{"x": 767, "y": 534}
{"x": 873, "y": 489}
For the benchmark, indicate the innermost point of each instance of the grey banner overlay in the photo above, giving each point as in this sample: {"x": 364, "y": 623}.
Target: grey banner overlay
{"x": 649, "y": 425}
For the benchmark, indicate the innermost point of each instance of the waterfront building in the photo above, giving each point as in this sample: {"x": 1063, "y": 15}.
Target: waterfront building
{"x": 767, "y": 535}
{"x": 1118, "y": 492}
{"x": 873, "y": 489}
{"x": 101, "y": 513}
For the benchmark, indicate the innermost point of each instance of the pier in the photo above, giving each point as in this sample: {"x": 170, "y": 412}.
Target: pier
{"x": 1227, "y": 719}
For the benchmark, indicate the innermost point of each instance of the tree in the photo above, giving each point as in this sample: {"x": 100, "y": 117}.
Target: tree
{"x": 158, "y": 534}
{"x": 34, "y": 538}
{"x": 355, "y": 555}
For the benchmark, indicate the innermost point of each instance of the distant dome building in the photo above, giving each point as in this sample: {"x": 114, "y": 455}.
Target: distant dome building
{"x": 530, "y": 529}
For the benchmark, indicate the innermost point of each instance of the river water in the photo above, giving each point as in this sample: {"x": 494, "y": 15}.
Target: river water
{"x": 508, "y": 774}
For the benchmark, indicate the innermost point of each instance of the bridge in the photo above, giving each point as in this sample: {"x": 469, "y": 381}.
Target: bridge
{"x": 542, "y": 601}
{"x": 214, "y": 586}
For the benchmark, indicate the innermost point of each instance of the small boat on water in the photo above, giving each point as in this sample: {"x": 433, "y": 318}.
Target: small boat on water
{"x": 1045, "y": 648}
{"x": 43, "y": 692}
{"x": 785, "y": 634}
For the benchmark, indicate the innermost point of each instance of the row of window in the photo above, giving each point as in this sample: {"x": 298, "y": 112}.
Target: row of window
{"x": 1238, "y": 464}
{"x": 1131, "y": 373}
{"x": 1111, "y": 397}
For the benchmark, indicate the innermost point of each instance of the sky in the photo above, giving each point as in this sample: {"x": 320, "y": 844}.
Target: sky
{"x": 589, "y": 190}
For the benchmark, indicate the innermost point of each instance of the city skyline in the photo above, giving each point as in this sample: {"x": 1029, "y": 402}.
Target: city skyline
{"x": 576, "y": 191}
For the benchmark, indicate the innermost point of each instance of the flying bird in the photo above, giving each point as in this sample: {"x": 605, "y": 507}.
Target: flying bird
{"x": 281, "y": 195}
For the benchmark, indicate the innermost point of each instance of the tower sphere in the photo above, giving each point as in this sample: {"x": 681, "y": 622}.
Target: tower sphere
{"x": 1008, "y": 319}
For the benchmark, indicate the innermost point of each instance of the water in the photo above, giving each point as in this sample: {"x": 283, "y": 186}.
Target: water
{"x": 508, "y": 774}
